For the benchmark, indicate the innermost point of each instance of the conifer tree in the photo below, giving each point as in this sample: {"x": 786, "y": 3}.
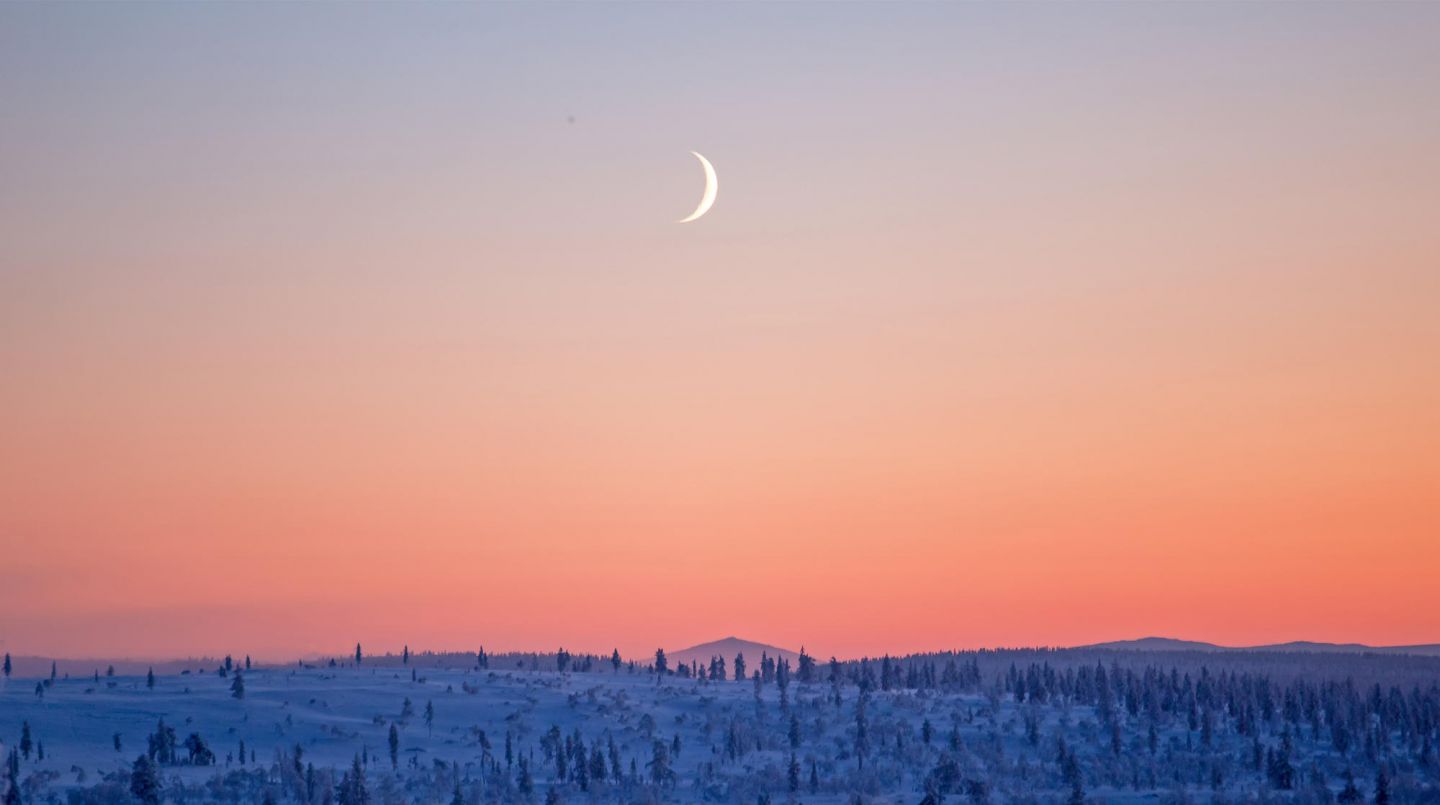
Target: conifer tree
{"x": 581, "y": 764}
{"x": 145, "y": 781}
{"x": 806, "y": 670}
{"x": 660, "y": 773}
{"x": 12, "y": 778}
{"x": 353, "y": 790}
{"x": 862, "y": 732}
{"x": 597, "y": 763}
{"x": 526, "y": 783}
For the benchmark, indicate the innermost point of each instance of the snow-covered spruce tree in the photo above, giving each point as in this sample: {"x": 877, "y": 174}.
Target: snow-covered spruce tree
{"x": 862, "y": 732}
{"x": 806, "y": 670}
{"x": 199, "y": 753}
{"x": 352, "y": 789}
{"x": 525, "y": 783}
{"x": 660, "y": 773}
{"x": 12, "y": 778}
{"x": 145, "y": 781}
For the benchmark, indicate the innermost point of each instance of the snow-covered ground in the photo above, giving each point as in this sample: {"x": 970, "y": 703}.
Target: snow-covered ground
{"x": 733, "y": 746}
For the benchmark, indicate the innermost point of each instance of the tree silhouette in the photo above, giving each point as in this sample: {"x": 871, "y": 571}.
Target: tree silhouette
{"x": 394, "y": 746}
{"x": 145, "y": 781}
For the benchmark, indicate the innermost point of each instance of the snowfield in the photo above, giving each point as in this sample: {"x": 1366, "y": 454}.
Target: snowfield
{"x": 628, "y": 735}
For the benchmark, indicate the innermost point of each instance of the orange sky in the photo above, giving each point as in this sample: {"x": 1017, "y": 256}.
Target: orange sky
{"x": 1011, "y": 326}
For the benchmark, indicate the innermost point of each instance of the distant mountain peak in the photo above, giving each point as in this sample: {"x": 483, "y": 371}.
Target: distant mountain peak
{"x": 728, "y": 647}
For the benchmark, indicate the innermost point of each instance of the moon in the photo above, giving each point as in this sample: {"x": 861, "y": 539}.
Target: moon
{"x": 711, "y": 185}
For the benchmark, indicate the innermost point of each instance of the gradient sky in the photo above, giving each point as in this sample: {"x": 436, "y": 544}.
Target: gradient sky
{"x": 1012, "y": 325}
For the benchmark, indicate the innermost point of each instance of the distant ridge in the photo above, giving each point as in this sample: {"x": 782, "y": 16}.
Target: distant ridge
{"x": 1158, "y": 644}
{"x": 1294, "y": 646}
{"x": 728, "y": 647}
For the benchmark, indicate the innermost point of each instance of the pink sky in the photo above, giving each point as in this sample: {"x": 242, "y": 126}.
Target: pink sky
{"x": 1012, "y": 325}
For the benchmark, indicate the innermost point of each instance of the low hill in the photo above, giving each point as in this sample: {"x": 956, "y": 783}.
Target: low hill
{"x": 728, "y": 647}
{"x": 1295, "y": 646}
{"x": 1158, "y": 644}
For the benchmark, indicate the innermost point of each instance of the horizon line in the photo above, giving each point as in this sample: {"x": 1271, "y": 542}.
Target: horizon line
{"x": 1117, "y": 644}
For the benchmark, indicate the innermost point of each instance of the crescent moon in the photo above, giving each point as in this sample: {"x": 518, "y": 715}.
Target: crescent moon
{"x": 711, "y": 185}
